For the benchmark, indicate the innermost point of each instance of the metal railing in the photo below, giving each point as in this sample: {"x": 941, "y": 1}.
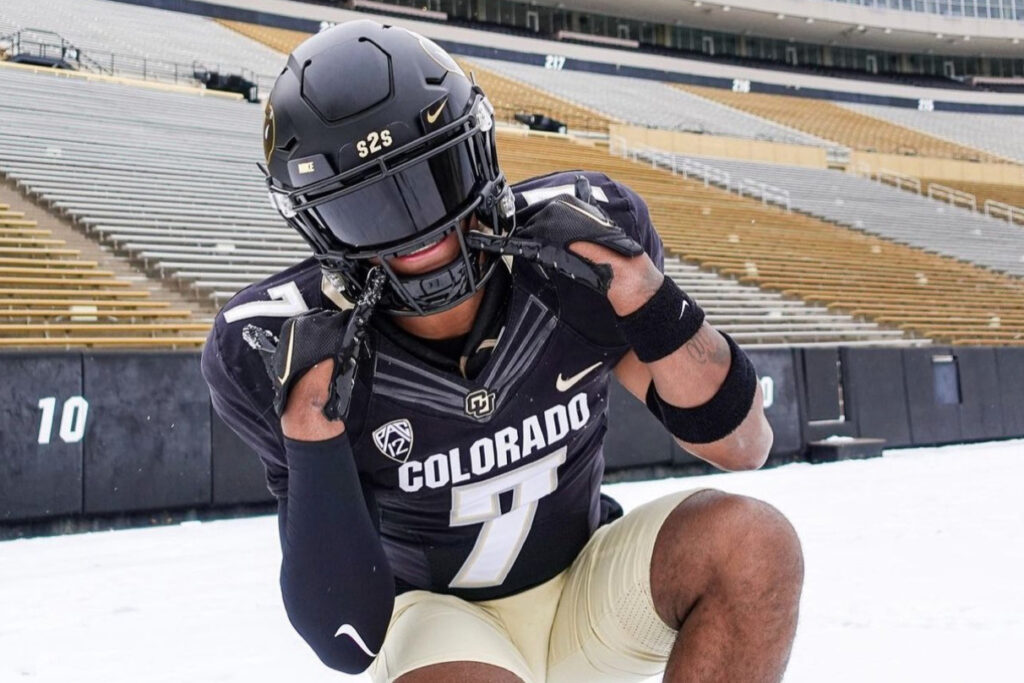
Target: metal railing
{"x": 691, "y": 168}
{"x": 903, "y": 182}
{"x": 1004, "y": 212}
{"x": 952, "y": 196}
{"x": 768, "y": 194}
{"x": 48, "y": 44}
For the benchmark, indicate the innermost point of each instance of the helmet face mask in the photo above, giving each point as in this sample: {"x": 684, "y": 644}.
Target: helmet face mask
{"x": 400, "y": 187}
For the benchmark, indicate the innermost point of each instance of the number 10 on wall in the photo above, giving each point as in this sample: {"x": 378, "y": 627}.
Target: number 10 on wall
{"x": 72, "y": 419}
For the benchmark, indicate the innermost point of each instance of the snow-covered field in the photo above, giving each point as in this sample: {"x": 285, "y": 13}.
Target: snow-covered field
{"x": 915, "y": 572}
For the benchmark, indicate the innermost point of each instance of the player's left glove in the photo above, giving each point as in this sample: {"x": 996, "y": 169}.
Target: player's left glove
{"x": 546, "y": 236}
{"x": 315, "y": 336}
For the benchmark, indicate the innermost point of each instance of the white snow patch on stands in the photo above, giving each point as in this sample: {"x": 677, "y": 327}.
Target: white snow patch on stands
{"x": 914, "y": 573}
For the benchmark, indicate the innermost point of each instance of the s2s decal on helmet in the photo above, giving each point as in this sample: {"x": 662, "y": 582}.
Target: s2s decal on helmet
{"x": 269, "y": 132}
{"x": 373, "y": 143}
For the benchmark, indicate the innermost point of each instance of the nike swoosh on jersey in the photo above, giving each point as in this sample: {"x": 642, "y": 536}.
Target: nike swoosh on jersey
{"x": 566, "y": 383}
{"x": 350, "y": 631}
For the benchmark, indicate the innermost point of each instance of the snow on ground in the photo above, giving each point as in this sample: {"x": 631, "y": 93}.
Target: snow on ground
{"x": 915, "y": 572}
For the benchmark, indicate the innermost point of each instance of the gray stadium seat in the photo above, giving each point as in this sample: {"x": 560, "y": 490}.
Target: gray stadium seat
{"x": 891, "y": 213}
{"x": 650, "y": 103}
{"x": 161, "y": 37}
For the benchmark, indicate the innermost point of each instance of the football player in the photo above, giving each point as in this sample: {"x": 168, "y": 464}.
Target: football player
{"x": 428, "y": 394}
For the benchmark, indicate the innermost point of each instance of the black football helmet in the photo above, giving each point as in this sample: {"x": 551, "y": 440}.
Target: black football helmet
{"x": 377, "y": 144}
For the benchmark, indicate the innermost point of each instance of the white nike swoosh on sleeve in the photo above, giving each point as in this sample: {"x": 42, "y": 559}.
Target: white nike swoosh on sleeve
{"x": 350, "y": 631}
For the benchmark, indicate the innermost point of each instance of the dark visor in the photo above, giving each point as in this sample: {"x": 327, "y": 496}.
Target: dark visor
{"x": 399, "y": 207}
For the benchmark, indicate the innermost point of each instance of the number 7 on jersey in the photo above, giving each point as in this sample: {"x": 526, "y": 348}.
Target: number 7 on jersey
{"x": 502, "y": 535}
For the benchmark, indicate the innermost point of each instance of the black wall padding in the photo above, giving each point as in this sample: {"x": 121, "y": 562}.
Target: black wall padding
{"x": 784, "y": 412}
{"x": 635, "y": 438}
{"x": 238, "y": 473}
{"x": 876, "y": 399}
{"x": 1010, "y": 363}
{"x": 821, "y": 383}
{"x": 40, "y": 479}
{"x": 148, "y": 441}
{"x": 933, "y": 393}
{"x": 981, "y": 415}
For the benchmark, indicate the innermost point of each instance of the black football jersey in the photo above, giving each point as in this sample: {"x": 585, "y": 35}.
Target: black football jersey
{"x": 483, "y": 486}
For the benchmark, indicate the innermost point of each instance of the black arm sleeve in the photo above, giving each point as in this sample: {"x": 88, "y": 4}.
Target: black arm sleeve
{"x": 336, "y": 583}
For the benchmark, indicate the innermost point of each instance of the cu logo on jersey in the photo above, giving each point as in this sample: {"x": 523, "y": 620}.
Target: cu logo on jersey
{"x": 394, "y": 439}
{"x": 480, "y": 403}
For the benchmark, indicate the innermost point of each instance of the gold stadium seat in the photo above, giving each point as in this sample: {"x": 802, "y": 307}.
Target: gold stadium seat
{"x": 51, "y": 298}
{"x": 280, "y": 39}
{"x": 104, "y": 341}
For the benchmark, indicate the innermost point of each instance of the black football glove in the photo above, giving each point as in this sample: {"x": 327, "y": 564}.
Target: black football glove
{"x": 312, "y": 337}
{"x": 546, "y": 236}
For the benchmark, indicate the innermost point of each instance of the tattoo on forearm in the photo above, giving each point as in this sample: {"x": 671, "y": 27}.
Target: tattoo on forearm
{"x": 708, "y": 346}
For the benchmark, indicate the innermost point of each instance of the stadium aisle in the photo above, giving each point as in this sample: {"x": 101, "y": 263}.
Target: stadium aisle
{"x": 913, "y": 574}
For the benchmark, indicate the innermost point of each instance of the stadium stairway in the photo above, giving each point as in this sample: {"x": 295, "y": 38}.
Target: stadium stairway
{"x": 844, "y": 126}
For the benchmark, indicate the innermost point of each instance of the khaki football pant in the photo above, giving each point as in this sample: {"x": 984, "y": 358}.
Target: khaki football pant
{"x": 593, "y": 623}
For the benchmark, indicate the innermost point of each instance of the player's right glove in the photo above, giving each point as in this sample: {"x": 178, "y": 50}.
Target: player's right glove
{"x": 312, "y": 337}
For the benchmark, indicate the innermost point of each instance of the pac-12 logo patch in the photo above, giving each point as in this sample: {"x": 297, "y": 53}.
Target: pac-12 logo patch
{"x": 394, "y": 439}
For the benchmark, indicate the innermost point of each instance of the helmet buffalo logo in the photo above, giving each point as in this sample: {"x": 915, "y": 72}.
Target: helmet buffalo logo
{"x": 269, "y": 132}
{"x": 394, "y": 439}
{"x": 435, "y": 52}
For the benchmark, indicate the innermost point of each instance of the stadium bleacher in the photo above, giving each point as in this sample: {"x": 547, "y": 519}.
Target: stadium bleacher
{"x": 928, "y": 295}
{"x": 170, "y": 184}
{"x": 169, "y": 175}
{"x": 509, "y": 96}
{"x": 650, "y": 103}
{"x": 169, "y": 42}
{"x": 1009, "y": 195}
{"x": 842, "y": 125}
{"x": 176, "y": 189}
{"x": 1000, "y": 135}
{"x": 51, "y": 297}
{"x": 866, "y": 205}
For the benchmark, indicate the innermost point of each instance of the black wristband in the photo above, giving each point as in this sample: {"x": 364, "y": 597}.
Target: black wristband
{"x": 722, "y": 414}
{"x": 668, "y": 320}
